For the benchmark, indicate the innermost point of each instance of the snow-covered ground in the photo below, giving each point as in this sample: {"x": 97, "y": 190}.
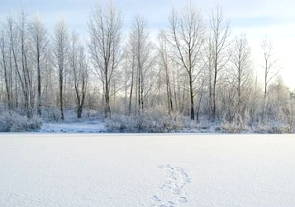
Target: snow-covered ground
{"x": 90, "y": 126}
{"x": 147, "y": 170}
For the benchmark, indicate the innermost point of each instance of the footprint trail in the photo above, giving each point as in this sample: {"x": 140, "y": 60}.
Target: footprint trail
{"x": 172, "y": 188}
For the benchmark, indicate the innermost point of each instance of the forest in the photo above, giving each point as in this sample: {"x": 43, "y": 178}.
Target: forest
{"x": 193, "y": 75}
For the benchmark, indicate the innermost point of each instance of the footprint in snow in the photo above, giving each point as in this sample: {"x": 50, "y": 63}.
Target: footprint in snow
{"x": 156, "y": 198}
{"x": 173, "y": 187}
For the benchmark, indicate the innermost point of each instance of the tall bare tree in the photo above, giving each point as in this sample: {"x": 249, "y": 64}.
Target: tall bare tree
{"x": 105, "y": 47}
{"x": 270, "y": 71}
{"x": 141, "y": 52}
{"x": 79, "y": 69}
{"x": 4, "y": 51}
{"x": 14, "y": 53}
{"x": 130, "y": 55}
{"x": 218, "y": 40}
{"x": 61, "y": 48}
{"x": 165, "y": 64}
{"x": 40, "y": 42}
{"x": 240, "y": 59}
{"x": 187, "y": 38}
{"x": 19, "y": 44}
{"x": 129, "y": 73}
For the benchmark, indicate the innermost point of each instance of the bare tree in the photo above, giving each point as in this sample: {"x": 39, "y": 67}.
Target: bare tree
{"x": 131, "y": 57}
{"x": 187, "y": 38}
{"x": 79, "y": 66}
{"x": 40, "y": 42}
{"x": 61, "y": 53}
{"x": 129, "y": 73}
{"x": 14, "y": 52}
{"x": 26, "y": 69}
{"x": 240, "y": 59}
{"x": 164, "y": 63}
{"x": 218, "y": 40}
{"x": 141, "y": 61}
{"x": 19, "y": 45}
{"x": 105, "y": 35}
{"x": 49, "y": 77}
{"x": 269, "y": 71}
{"x": 4, "y": 51}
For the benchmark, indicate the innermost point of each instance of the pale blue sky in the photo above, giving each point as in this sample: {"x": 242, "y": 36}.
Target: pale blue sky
{"x": 243, "y": 13}
{"x": 257, "y": 18}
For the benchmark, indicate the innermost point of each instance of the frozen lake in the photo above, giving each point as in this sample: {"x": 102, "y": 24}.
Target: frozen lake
{"x": 40, "y": 170}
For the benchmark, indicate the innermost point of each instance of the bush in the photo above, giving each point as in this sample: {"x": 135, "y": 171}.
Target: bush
{"x": 237, "y": 125}
{"x": 273, "y": 128}
{"x": 150, "y": 122}
{"x": 231, "y": 127}
{"x": 13, "y": 122}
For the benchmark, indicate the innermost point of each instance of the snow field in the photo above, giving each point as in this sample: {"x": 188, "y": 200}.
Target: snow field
{"x": 147, "y": 170}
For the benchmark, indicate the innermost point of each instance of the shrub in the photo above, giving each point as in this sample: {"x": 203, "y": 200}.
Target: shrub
{"x": 153, "y": 121}
{"x": 231, "y": 127}
{"x": 273, "y": 128}
{"x": 13, "y": 122}
{"x": 237, "y": 125}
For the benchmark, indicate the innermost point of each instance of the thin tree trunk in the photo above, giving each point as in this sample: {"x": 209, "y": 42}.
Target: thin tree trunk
{"x": 39, "y": 80}
{"x": 131, "y": 88}
{"x": 61, "y": 93}
{"x": 191, "y": 98}
{"x": 6, "y": 76}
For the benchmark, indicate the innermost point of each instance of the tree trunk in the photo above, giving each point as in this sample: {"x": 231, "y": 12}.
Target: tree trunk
{"x": 214, "y": 92}
{"x": 192, "y": 98}
{"x": 79, "y": 112}
{"x": 6, "y": 76}
{"x": 107, "y": 109}
{"x": 39, "y": 82}
{"x": 61, "y": 96}
{"x": 169, "y": 93}
{"x": 131, "y": 92}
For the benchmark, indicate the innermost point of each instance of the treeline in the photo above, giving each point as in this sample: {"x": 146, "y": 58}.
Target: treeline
{"x": 195, "y": 68}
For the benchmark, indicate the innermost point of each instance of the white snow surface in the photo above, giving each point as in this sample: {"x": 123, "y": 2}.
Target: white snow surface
{"x": 66, "y": 170}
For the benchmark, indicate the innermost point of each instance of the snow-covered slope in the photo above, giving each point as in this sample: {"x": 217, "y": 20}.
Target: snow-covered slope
{"x": 147, "y": 170}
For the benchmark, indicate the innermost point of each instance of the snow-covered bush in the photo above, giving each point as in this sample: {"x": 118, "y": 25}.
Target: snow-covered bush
{"x": 272, "y": 128}
{"x": 121, "y": 123}
{"x": 13, "y": 122}
{"x": 51, "y": 114}
{"x": 289, "y": 116}
{"x": 231, "y": 127}
{"x": 151, "y": 121}
{"x": 237, "y": 125}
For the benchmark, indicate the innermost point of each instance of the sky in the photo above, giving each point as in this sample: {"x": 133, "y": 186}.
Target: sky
{"x": 258, "y": 19}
